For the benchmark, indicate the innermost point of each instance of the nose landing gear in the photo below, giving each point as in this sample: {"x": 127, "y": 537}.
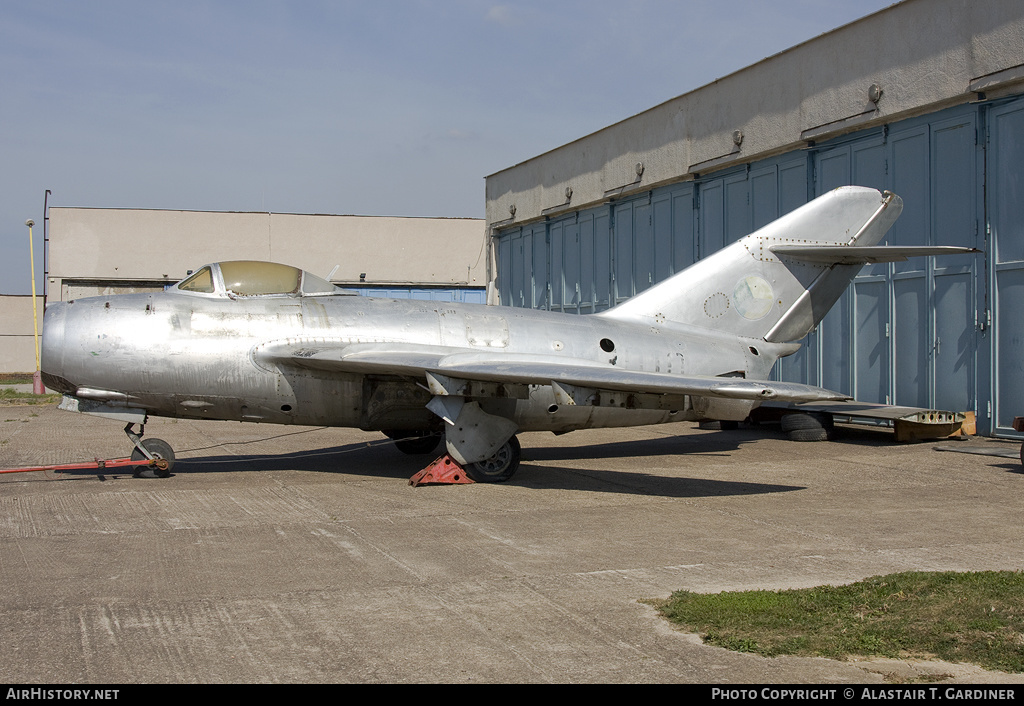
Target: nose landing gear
{"x": 156, "y": 450}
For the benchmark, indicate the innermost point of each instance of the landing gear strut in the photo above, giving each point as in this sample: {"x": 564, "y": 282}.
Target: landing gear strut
{"x": 156, "y": 450}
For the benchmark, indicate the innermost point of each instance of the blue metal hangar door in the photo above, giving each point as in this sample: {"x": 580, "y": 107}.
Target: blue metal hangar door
{"x": 1005, "y": 252}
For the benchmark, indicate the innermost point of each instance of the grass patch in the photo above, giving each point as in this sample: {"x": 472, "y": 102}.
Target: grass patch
{"x": 976, "y": 618}
{"x": 8, "y": 397}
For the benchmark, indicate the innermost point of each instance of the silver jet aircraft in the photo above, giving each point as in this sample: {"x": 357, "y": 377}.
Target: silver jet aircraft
{"x": 264, "y": 342}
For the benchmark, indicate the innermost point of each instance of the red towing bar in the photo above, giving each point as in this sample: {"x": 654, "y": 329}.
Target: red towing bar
{"x": 98, "y": 464}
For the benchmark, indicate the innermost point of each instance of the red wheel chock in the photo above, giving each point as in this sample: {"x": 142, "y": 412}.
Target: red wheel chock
{"x": 444, "y": 469}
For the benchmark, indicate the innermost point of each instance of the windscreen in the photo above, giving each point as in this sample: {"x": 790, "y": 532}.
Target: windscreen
{"x": 201, "y": 281}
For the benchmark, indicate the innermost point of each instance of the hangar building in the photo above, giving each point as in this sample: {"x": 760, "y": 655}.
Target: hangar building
{"x": 924, "y": 98}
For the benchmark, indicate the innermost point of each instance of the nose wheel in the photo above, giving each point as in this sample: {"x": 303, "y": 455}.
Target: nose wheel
{"x": 156, "y": 450}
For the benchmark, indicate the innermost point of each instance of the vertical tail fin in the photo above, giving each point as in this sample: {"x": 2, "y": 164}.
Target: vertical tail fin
{"x": 751, "y": 290}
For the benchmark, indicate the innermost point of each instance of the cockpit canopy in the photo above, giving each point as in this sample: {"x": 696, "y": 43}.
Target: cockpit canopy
{"x": 252, "y": 278}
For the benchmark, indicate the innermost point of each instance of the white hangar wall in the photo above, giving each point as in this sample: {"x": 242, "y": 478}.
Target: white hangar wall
{"x": 104, "y": 251}
{"x": 17, "y": 332}
{"x": 606, "y": 216}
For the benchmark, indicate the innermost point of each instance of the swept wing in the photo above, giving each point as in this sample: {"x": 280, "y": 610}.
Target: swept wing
{"x": 421, "y": 360}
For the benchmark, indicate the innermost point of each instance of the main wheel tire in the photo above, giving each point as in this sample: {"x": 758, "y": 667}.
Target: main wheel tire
{"x": 808, "y": 426}
{"x": 157, "y": 448}
{"x": 418, "y": 445}
{"x": 499, "y": 467}
{"x": 808, "y": 435}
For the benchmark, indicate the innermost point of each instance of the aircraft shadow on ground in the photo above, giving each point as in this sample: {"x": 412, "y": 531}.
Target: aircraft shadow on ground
{"x": 1010, "y": 467}
{"x": 356, "y": 459}
{"x": 641, "y": 454}
{"x": 379, "y": 459}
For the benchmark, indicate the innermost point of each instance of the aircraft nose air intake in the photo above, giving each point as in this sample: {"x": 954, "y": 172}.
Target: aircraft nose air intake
{"x": 52, "y": 353}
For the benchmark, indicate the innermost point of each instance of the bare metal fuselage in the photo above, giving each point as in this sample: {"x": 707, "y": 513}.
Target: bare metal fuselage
{"x": 183, "y": 355}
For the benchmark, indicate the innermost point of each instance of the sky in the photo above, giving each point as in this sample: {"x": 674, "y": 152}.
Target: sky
{"x": 389, "y": 108}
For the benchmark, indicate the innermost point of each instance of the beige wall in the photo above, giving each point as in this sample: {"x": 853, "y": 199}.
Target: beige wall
{"x": 125, "y": 245}
{"x": 17, "y": 349}
{"x": 925, "y": 55}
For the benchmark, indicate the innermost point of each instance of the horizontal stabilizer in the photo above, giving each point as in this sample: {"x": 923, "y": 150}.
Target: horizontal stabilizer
{"x": 862, "y": 255}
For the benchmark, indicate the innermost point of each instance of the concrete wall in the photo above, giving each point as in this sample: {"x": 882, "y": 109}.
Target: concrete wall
{"x": 924, "y": 54}
{"x": 115, "y": 247}
{"x": 17, "y": 349}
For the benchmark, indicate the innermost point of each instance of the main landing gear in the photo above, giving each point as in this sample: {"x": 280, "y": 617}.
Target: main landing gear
{"x": 497, "y": 469}
{"x": 156, "y": 450}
